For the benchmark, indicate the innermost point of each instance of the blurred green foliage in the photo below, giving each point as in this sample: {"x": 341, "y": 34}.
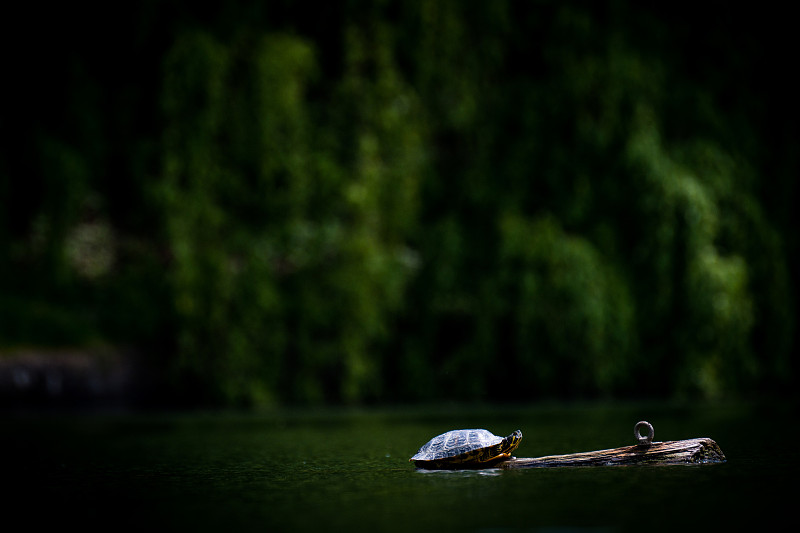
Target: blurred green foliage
{"x": 400, "y": 201}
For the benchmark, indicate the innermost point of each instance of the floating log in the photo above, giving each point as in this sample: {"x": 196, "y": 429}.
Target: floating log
{"x": 691, "y": 451}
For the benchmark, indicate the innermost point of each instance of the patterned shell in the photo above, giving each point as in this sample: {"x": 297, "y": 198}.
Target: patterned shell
{"x": 456, "y": 443}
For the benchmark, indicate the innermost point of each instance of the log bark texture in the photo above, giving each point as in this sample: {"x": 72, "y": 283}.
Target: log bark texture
{"x": 690, "y": 451}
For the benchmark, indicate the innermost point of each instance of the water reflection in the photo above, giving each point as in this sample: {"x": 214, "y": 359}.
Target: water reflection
{"x": 462, "y": 473}
{"x": 212, "y": 472}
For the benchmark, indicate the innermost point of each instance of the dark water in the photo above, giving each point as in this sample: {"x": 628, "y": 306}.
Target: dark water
{"x": 348, "y": 470}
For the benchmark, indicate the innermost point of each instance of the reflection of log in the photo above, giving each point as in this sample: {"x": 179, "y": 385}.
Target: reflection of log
{"x": 691, "y": 451}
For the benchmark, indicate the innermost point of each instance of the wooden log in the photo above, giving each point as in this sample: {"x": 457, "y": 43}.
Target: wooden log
{"x": 691, "y": 451}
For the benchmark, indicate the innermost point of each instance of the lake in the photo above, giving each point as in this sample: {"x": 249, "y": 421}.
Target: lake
{"x": 348, "y": 469}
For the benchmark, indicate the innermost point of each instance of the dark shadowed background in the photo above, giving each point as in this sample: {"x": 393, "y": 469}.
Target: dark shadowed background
{"x": 274, "y": 203}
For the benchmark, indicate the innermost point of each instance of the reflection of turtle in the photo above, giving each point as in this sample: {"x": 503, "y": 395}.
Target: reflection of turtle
{"x": 466, "y": 448}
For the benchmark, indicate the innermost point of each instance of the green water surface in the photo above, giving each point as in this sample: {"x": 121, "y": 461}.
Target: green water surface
{"x": 345, "y": 470}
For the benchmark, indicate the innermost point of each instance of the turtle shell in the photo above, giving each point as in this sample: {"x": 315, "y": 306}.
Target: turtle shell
{"x": 466, "y": 448}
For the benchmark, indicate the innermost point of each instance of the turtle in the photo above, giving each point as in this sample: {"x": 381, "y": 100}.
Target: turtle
{"x": 466, "y": 448}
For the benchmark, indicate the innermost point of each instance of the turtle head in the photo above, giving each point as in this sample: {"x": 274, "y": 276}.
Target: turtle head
{"x": 511, "y": 442}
